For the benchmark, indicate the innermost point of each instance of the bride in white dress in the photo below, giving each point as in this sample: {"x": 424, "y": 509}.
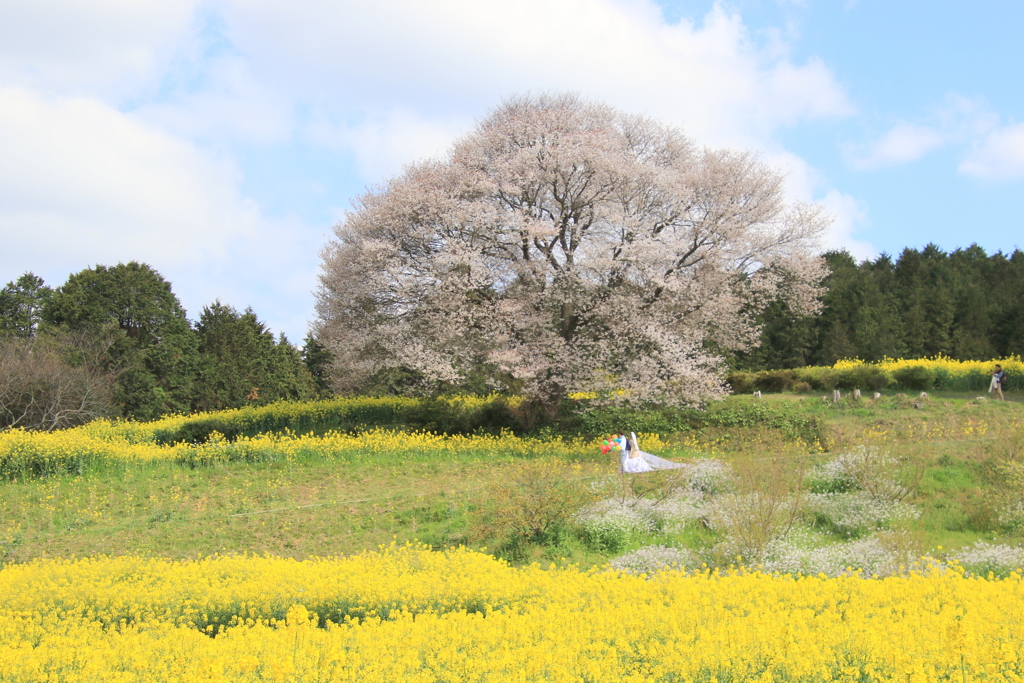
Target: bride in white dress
{"x": 632, "y": 460}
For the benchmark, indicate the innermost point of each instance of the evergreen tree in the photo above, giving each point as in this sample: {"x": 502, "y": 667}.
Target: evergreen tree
{"x": 923, "y": 282}
{"x": 787, "y": 340}
{"x": 289, "y": 376}
{"x": 317, "y": 360}
{"x": 965, "y": 304}
{"x": 240, "y": 362}
{"x": 21, "y": 305}
{"x": 883, "y": 332}
{"x": 154, "y": 349}
{"x": 973, "y": 308}
{"x": 1006, "y": 299}
{"x": 940, "y": 306}
{"x": 840, "y": 306}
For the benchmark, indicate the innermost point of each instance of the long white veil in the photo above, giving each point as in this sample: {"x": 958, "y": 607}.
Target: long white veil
{"x": 654, "y": 461}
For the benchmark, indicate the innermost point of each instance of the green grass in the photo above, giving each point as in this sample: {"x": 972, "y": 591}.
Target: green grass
{"x": 299, "y": 510}
{"x": 318, "y": 508}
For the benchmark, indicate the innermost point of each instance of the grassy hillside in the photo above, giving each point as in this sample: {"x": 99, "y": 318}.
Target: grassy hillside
{"x": 325, "y": 493}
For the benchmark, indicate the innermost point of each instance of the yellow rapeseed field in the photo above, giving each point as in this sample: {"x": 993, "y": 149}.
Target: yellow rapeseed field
{"x": 119, "y": 442}
{"x": 74, "y": 450}
{"x": 949, "y": 366}
{"x": 959, "y": 375}
{"x": 410, "y": 614}
{"x": 953, "y": 368}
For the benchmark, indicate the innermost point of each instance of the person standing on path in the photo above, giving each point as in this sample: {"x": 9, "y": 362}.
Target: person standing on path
{"x": 998, "y": 379}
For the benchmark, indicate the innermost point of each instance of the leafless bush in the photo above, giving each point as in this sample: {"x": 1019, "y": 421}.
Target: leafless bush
{"x": 533, "y": 503}
{"x": 766, "y": 503}
{"x": 652, "y": 486}
{"x": 873, "y": 469}
{"x": 49, "y": 383}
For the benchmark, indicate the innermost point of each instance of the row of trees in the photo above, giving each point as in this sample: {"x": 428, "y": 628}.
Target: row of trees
{"x": 561, "y": 246}
{"x": 116, "y": 341}
{"x": 964, "y": 304}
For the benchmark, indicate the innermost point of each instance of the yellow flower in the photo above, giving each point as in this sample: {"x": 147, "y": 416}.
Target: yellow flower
{"x": 409, "y": 613}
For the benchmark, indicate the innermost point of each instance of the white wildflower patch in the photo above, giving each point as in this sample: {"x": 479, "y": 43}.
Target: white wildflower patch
{"x": 832, "y": 476}
{"x": 858, "y": 512}
{"x": 856, "y": 497}
{"x": 708, "y": 475}
{"x": 731, "y": 511}
{"x": 1012, "y": 515}
{"x": 984, "y": 558}
{"x": 726, "y": 511}
{"x": 803, "y": 554}
{"x": 865, "y": 468}
{"x": 655, "y": 558}
{"x": 747, "y": 522}
{"x": 679, "y": 510}
{"x": 611, "y": 524}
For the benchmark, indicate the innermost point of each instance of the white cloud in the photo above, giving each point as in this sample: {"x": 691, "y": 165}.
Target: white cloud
{"x": 459, "y": 56}
{"x": 233, "y": 105}
{"x": 903, "y": 144}
{"x": 77, "y": 45}
{"x": 96, "y": 183}
{"x": 957, "y": 121}
{"x": 804, "y": 183}
{"x": 82, "y": 184}
{"x": 86, "y": 180}
{"x": 384, "y": 143}
{"x": 847, "y": 213}
{"x": 999, "y": 156}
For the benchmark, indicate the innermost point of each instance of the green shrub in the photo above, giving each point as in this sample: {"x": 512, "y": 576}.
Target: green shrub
{"x": 820, "y": 379}
{"x": 790, "y": 421}
{"x": 610, "y": 525}
{"x": 742, "y": 382}
{"x": 914, "y": 378}
{"x": 447, "y": 415}
{"x": 786, "y": 419}
{"x": 862, "y": 377}
{"x": 584, "y": 417}
{"x": 776, "y": 380}
{"x": 535, "y": 503}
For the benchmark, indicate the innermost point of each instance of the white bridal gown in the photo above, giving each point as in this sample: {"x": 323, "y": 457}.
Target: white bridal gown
{"x": 635, "y": 464}
{"x": 642, "y": 462}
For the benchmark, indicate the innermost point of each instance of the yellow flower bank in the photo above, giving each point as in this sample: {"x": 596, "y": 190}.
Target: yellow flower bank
{"x": 409, "y": 614}
{"x": 955, "y": 375}
{"x": 74, "y": 451}
{"x": 954, "y": 368}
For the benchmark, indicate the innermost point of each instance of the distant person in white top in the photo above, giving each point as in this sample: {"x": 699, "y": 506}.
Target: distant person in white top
{"x": 998, "y": 379}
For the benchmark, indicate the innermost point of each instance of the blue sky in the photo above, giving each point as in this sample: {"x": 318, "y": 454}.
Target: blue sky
{"x": 220, "y": 140}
